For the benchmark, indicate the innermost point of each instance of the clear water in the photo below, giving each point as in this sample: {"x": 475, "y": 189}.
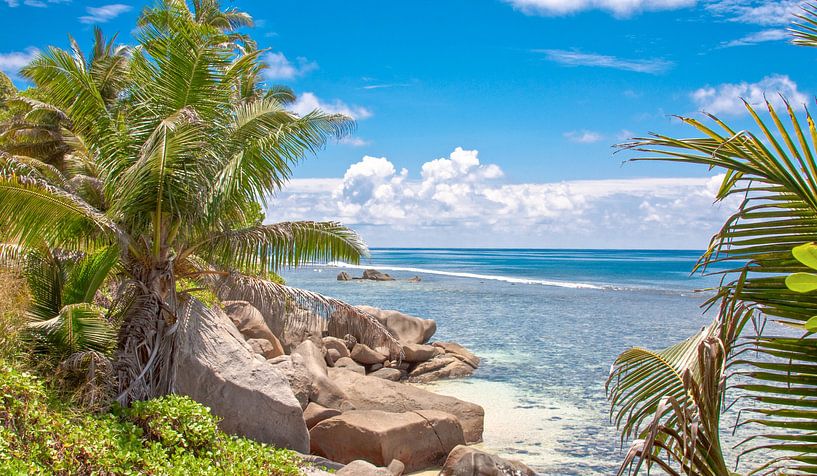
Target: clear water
{"x": 547, "y": 324}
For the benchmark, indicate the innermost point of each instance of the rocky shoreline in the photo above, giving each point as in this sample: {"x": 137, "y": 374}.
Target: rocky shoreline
{"x": 351, "y": 406}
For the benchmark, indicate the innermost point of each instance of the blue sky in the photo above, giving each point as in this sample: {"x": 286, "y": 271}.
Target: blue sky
{"x": 540, "y": 88}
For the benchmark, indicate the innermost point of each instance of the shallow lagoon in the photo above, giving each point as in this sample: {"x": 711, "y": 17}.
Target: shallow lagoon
{"x": 547, "y": 324}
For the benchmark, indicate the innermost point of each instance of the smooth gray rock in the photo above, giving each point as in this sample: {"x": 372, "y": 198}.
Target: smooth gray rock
{"x": 324, "y": 391}
{"x": 389, "y": 374}
{"x": 349, "y": 364}
{"x": 371, "y": 393}
{"x": 458, "y": 351}
{"x": 375, "y": 275}
{"x": 338, "y": 344}
{"x": 362, "y": 468}
{"x": 365, "y": 355}
{"x": 217, "y": 368}
{"x": 420, "y": 352}
{"x": 467, "y": 461}
{"x": 419, "y": 439}
{"x": 405, "y": 328}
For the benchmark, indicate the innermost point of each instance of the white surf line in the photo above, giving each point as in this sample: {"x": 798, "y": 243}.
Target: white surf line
{"x": 507, "y": 279}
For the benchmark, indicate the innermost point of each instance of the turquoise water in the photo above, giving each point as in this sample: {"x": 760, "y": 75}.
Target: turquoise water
{"x": 547, "y": 323}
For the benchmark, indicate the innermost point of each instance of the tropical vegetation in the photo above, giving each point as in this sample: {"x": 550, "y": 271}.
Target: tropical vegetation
{"x": 759, "y": 353}
{"x": 171, "y": 435}
{"x": 130, "y": 183}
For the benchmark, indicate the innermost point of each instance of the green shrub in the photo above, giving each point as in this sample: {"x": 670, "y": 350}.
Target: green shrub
{"x": 173, "y": 435}
{"x": 176, "y": 422}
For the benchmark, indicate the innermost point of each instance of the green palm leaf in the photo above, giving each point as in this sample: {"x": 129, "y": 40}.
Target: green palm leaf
{"x": 77, "y": 327}
{"x": 775, "y": 175}
{"x": 269, "y": 248}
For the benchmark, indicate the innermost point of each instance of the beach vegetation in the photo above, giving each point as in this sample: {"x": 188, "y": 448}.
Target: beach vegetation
{"x": 758, "y": 354}
{"x": 131, "y": 179}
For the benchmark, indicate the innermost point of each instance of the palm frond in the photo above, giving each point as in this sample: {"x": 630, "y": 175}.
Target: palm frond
{"x": 775, "y": 175}
{"x": 640, "y": 379}
{"x": 269, "y": 248}
{"x": 683, "y": 435}
{"x": 33, "y": 212}
{"x": 77, "y": 327}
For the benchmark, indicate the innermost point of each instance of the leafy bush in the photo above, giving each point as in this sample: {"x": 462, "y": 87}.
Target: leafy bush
{"x": 176, "y": 422}
{"x": 172, "y": 435}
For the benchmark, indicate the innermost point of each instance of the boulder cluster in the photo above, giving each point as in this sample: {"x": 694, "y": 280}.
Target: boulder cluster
{"x": 373, "y": 275}
{"x": 344, "y": 402}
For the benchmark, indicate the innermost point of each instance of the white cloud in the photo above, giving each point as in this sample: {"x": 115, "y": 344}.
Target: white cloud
{"x": 728, "y": 98}
{"x": 758, "y": 37}
{"x": 12, "y": 62}
{"x": 459, "y": 201}
{"x": 758, "y": 12}
{"x": 583, "y": 136}
{"x": 353, "y": 141}
{"x": 621, "y": 8}
{"x": 308, "y": 102}
{"x": 577, "y": 58}
{"x": 105, "y": 13}
{"x": 33, "y": 3}
{"x": 280, "y": 67}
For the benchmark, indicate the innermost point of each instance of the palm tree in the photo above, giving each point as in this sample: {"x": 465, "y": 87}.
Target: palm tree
{"x": 671, "y": 400}
{"x": 168, "y": 158}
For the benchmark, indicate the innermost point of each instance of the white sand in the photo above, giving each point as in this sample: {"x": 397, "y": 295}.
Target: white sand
{"x": 517, "y": 426}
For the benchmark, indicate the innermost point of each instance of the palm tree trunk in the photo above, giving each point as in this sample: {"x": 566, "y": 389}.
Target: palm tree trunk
{"x": 146, "y": 344}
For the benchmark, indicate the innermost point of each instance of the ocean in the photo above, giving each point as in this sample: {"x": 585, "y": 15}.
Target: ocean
{"x": 547, "y": 324}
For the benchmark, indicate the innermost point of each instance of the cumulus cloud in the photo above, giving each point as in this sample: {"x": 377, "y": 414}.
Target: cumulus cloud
{"x": 620, "y": 8}
{"x": 728, "y": 98}
{"x": 280, "y": 67}
{"x": 308, "y": 102}
{"x": 758, "y": 12}
{"x": 12, "y": 62}
{"x": 460, "y": 201}
{"x": 578, "y": 58}
{"x": 583, "y": 136}
{"x": 105, "y": 13}
{"x": 758, "y": 37}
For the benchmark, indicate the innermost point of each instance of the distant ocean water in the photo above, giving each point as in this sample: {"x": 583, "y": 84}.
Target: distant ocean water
{"x": 547, "y": 324}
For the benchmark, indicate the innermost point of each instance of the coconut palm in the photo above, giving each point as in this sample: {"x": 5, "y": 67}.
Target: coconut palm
{"x": 671, "y": 400}
{"x": 167, "y": 171}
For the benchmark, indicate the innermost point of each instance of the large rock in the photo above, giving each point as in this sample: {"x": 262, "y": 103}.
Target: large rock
{"x": 337, "y": 344}
{"x": 251, "y": 323}
{"x": 344, "y": 276}
{"x": 386, "y": 373}
{"x": 420, "y": 352}
{"x": 324, "y": 391}
{"x": 371, "y": 393}
{"x": 438, "y": 368}
{"x": 375, "y": 275}
{"x": 467, "y": 461}
{"x": 263, "y": 347}
{"x": 459, "y": 352}
{"x": 349, "y": 364}
{"x": 217, "y": 368}
{"x": 363, "y": 468}
{"x": 294, "y": 369}
{"x": 405, "y": 328}
{"x": 314, "y": 414}
{"x": 365, "y": 355}
{"x": 419, "y": 439}
{"x": 247, "y": 319}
